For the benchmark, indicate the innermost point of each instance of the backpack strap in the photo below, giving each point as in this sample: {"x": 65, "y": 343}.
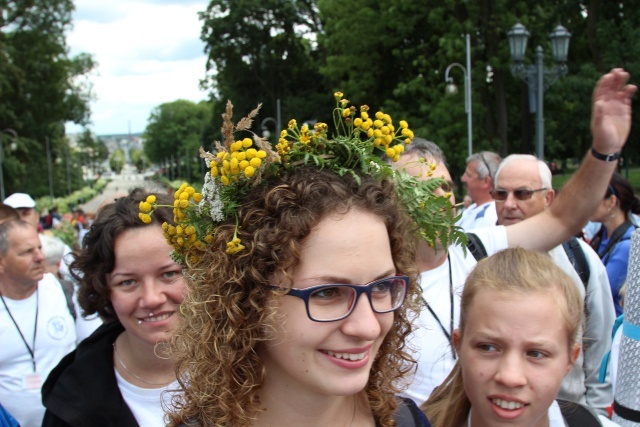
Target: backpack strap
{"x": 578, "y": 259}
{"x": 475, "y": 246}
{"x": 68, "y": 288}
{"x": 577, "y": 415}
{"x": 615, "y": 238}
{"x": 604, "y": 365}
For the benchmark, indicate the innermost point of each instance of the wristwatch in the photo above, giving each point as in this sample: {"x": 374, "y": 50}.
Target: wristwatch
{"x": 605, "y": 157}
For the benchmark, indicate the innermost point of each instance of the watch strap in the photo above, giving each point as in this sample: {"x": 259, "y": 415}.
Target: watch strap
{"x": 605, "y": 157}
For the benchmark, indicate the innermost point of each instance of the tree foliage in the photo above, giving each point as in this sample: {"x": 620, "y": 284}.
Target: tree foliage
{"x": 41, "y": 88}
{"x": 174, "y": 127}
{"x": 393, "y": 55}
{"x": 261, "y": 51}
{"x": 117, "y": 160}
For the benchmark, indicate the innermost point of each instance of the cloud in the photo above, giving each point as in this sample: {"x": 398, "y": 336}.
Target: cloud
{"x": 97, "y": 12}
{"x": 149, "y": 52}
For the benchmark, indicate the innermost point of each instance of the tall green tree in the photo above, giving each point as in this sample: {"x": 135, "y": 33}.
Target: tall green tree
{"x": 262, "y": 51}
{"x": 175, "y": 131}
{"x": 41, "y": 86}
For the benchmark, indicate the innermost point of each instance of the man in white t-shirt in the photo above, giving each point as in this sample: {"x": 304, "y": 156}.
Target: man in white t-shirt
{"x": 478, "y": 178}
{"x": 444, "y": 270}
{"x": 36, "y": 328}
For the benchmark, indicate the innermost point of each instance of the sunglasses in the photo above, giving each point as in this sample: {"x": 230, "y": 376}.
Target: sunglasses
{"x": 520, "y": 194}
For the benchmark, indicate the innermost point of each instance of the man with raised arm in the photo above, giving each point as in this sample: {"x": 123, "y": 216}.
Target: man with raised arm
{"x": 444, "y": 270}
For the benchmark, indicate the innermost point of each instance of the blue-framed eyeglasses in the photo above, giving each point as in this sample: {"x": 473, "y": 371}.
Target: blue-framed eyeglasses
{"x": 331, "y": 302}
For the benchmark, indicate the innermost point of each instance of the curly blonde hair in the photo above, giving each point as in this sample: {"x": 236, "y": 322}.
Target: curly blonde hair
{"x": 229, "y": 308}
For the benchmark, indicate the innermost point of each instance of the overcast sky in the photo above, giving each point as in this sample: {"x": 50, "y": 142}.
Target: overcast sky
{"x": 148, "y": 52}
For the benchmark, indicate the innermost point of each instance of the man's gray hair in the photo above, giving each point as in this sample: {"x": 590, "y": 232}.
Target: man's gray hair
{"x": 425, "y": 149}
{"x": 487, "y": 163}
{"x": 5, "y": 229}
{"x": 52, "y": 249}
{"x": 543, "y": 169}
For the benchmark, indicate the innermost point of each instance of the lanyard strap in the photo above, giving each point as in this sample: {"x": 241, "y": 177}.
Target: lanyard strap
{"x": 35, "y": 328}
{"x": 446, "y": 333}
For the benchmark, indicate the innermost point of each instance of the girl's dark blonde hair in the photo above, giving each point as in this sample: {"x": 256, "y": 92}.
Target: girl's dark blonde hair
{"x": 511, "y": 271}
{"x": 230, "y": 310}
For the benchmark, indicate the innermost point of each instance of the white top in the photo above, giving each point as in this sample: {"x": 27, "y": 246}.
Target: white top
{"x": 481, "y": 216}
{"x": 615, "y": 357}
{"x": 430, "y": 345}
{"x": 55, "y": 337}
{"x": 146, "y": 404}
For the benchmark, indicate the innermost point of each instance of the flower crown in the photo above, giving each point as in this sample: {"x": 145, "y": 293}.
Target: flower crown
{"x": 360, "y": 145}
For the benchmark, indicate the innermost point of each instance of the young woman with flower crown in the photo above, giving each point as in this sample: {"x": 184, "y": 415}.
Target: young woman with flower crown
{"x": 117, "y": 376}
{"x": 518, "y": 338}
{"x": 301, "y": 282}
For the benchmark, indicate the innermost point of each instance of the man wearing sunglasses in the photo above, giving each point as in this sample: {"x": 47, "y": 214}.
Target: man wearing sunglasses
{"x": 523, "y": 190}
{"x": 444, "y": 270}
{"x": 478, "y": 179}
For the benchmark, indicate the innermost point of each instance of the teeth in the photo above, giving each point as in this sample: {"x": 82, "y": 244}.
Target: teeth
{"x": 347, "y": 356}
{"x": 156, "y": 318}
{"x": 504, "y": 404}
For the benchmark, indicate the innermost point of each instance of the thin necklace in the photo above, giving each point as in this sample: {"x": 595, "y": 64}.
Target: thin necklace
{"x": 353, "y": 417}
{"x": 115, "y": 350}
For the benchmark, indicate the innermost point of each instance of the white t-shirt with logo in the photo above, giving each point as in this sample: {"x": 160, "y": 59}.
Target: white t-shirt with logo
{"x": 20, "y": 386}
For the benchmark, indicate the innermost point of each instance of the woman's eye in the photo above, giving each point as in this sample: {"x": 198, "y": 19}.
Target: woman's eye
{"x": 487, "y": 347}
{"x": 536, "y": 354}
{"x": 172, "y": 275}
{"x": 381, "y": 288}
{"x": 127, "y": 283}
{"x": 326, "y": 293}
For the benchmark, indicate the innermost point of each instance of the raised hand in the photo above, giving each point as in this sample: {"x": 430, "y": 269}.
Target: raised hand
{"x": 611, "y": 111}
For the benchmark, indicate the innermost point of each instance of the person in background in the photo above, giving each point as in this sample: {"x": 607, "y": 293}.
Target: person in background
{"x": 444, "y": 268}
{"x": 518, "y": 337}
{"x": 7, "y": 213}
{"x": 478, "y": 178}
{"x": 522, "y": 190}
{"x": 613, "y": 241}
{"x": 6, "y": 419}
{"x": 26, "y": 207}
{"x": 53, "y": 250}
{"x": 36, "y": 327}
{"x": 117, "y": 376}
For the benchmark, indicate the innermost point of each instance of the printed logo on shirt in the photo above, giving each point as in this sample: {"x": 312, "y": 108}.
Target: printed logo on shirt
{"x": 57, "y": 328}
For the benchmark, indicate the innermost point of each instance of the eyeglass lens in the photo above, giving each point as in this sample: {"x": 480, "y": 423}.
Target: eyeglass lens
{"x": 335, "y": 301}
{"x": 520, "y": 194}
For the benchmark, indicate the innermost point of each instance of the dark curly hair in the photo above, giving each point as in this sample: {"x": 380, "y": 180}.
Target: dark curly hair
{"x": 97, "y": 258}
{"x": 229, "y": 310}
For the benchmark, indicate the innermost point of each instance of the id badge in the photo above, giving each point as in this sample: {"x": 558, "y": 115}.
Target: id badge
{"x": 32, "y": 381}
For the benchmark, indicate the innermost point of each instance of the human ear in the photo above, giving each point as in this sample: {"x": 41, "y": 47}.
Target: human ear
{"x": 575, "y": 352}
{"x": 455, "y": 337}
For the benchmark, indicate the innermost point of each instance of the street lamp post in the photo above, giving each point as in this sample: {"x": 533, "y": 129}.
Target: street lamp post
{"x": 276, "y": 121}
{"x": 15, "y": 135}
{"x": 451, "y": 89}
{"x": 49, "y": 166}
{"x": 265, "y": 130}
{"x": 537, "y": 77}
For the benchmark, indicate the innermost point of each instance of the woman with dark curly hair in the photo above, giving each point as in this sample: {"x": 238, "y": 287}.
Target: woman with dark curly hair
{"x": 305, "y": 325}
{"x": 118, "y": 374}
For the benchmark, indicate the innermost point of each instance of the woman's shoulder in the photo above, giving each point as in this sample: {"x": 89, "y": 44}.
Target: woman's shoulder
{"x": 409, "y": 415}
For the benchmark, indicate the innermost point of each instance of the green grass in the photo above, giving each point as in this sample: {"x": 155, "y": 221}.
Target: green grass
{"x": 632, "y": 174}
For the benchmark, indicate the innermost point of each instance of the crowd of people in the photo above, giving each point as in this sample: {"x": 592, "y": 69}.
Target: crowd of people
{"x": 314, "y": 283}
